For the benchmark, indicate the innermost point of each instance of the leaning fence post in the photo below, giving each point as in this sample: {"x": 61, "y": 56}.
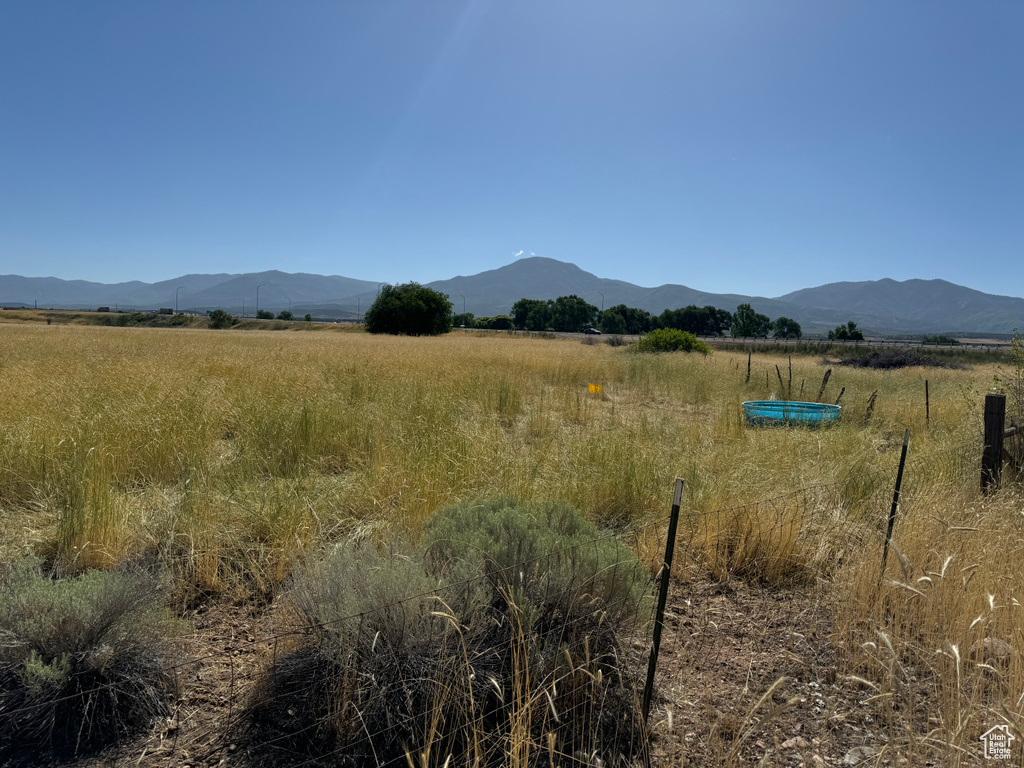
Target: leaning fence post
{"x": 659, "y": 614}
{"x": 824, "y": 383}
{"x": 895, "y": 499}
{"x": 992, "y": 455}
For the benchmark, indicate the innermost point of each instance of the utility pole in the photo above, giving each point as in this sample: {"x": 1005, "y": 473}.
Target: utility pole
{"x": 463, "y": 302}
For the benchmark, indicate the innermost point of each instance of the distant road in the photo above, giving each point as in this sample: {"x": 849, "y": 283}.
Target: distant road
{"x": 979, "y": 345}
{"x": 983, "y": 345}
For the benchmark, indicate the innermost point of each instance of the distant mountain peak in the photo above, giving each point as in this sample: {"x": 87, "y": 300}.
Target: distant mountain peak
{"x": 879, "y": 306}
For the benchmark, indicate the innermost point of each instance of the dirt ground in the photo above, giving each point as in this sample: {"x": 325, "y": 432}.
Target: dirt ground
{"x": 747, "y": 676}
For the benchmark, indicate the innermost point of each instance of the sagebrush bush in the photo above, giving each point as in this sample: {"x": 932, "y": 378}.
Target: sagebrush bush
{"x": 549, "y": 552}
{"x": 83, "y": 660}
{"x": 671, "y": 340}
{"x": 392, "y": 593}
{"x": 509, "y": 632}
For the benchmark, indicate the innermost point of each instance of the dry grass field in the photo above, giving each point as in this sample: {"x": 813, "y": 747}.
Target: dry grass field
{"x": 221, "y": 459}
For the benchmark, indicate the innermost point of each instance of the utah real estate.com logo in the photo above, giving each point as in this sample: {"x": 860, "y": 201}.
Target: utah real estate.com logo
{"x": 997, "y": 742}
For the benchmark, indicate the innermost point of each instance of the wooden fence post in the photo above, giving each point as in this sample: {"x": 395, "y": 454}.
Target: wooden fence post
{"x": 824, "y": 383}
{"x": 992, "y": 455}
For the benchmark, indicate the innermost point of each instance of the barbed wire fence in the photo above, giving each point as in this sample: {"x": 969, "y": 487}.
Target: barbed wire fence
{"x": 542, "y": 662}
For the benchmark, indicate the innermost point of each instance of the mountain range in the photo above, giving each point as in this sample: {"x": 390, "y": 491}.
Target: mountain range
{"x": 877, "y": 306}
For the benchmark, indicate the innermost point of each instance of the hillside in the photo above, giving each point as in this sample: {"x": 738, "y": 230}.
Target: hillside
{"x": 879, "y": 307}
{"x": 917, "y": 305}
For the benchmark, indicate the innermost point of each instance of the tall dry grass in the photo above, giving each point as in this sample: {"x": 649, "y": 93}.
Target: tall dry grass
{"x": 227, "y": 455}
{"x": 234, "y": 451}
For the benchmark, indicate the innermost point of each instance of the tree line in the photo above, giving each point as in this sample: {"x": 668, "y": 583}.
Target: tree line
{"x": 572, "y": 314}
{"x": 414, "y": 309}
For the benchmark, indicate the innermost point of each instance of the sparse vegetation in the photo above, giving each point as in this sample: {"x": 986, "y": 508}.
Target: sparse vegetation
{"x": 896, "y": 358}
{"x": 940, "y": 339}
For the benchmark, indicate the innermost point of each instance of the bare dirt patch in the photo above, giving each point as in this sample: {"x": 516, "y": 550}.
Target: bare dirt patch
{"x": 749, "y": 677}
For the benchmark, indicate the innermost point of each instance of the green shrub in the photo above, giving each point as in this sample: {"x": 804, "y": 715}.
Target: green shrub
{"x": 671, "y": 340}
{"x": 83, "y": 661}
{"x": 513, "y": 603}
{"x": 549, "y": 553}
{"x": 378, "y": 655}
{"x": 354, "y": 579}
{"x": 264, "y": 314}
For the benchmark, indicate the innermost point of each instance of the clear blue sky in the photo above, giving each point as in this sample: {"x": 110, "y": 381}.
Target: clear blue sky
{"x": 751, "y": 147}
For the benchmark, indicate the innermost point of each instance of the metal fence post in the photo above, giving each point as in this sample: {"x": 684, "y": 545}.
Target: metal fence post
{"x": 659, "y": 615}
{"x": 895, "y": 499}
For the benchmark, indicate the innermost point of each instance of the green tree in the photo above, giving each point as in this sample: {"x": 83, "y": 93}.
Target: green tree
{"x": 848, "y": 332}
{"x": 410, "y": 309}
{"x": 308, "y": 318}
{"x": 571, "y": 314}
{"x": 748, "y": 323}
{"x": 264, "y": 314}
{"x": 786, "y": 328}
{"x": 532, "y": 314}
{"x": 700, "y": 321}
{"x": 464, "y": 320}
{"x": 636, "y": 320}
{"x": 285, "y": 315}
{"x": 723, "y": 320}
{"x": 613, "y": 322}
{"x": 221, "y": 319}
{"x": 539, "y": 318}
